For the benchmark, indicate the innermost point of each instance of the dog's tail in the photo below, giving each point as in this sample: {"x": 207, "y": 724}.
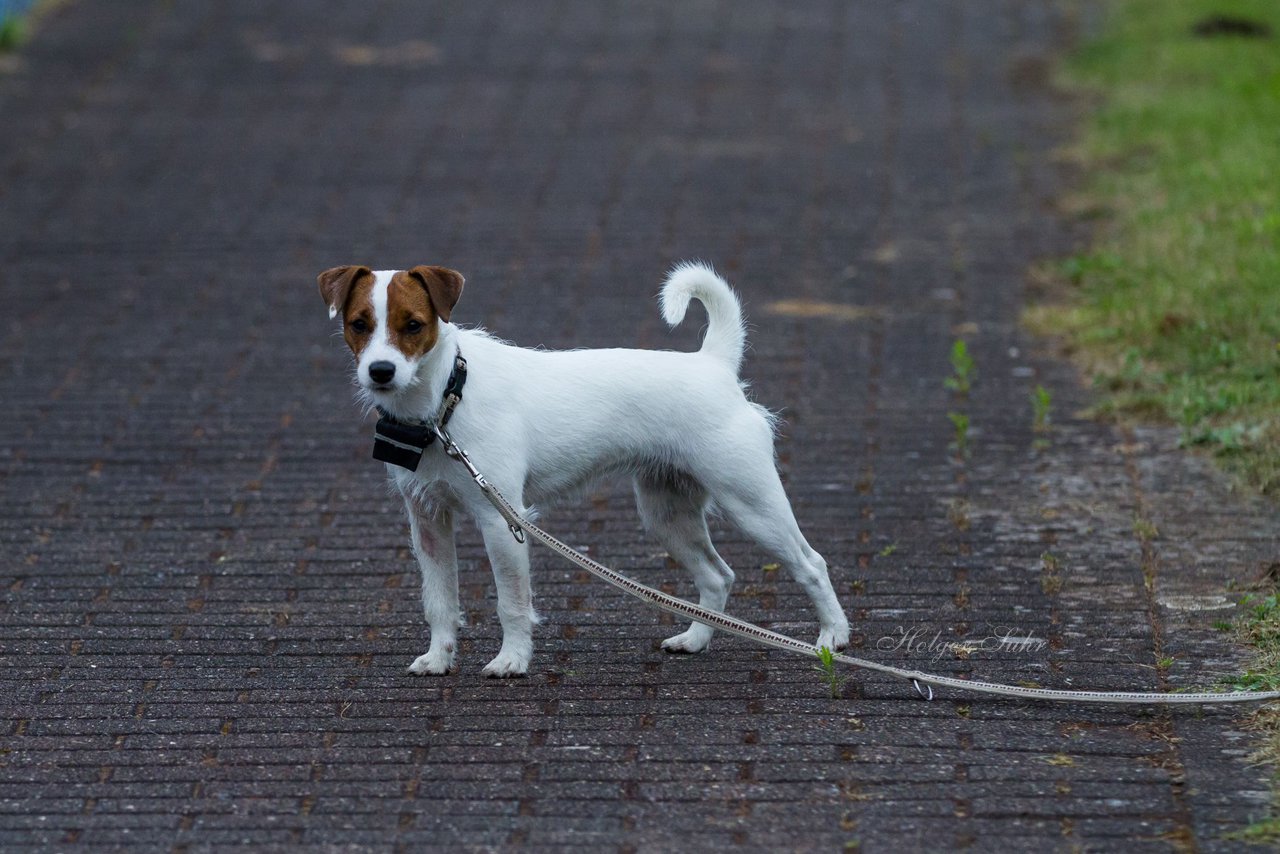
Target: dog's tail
{"x": 726, "y": 336}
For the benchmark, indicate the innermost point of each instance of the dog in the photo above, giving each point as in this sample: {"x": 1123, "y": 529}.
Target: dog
{"x": 542, "y": 425}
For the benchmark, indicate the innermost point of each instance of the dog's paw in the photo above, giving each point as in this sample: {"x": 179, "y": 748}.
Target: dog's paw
{"x": 696, "y": 639}
{"x": 834, "y": 637}
{"x": 436, "y": 662}
{"x": 508, "y": 665}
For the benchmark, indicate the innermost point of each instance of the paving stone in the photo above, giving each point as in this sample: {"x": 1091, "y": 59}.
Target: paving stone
{"x": 209, "y": 595}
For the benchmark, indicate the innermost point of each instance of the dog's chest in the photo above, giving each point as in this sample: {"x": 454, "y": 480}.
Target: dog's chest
{"x": 429, "y": 497}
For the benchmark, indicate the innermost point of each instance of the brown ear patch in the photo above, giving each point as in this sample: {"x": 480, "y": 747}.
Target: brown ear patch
{"x": 443, "y": 285}
{"x": 412, "y": 326}
{"x": 359, "y": 320}
{"x": 335, "y": 285}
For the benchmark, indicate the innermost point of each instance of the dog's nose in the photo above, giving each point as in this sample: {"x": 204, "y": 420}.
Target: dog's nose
{"x": 382, "y": 372}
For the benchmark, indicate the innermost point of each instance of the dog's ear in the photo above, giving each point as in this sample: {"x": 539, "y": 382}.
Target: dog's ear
{"x": 335, "y": 286}
{"x": 443, "y": 285}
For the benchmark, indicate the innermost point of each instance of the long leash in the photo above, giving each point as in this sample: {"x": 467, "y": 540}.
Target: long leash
{"x": 717, "y": 620}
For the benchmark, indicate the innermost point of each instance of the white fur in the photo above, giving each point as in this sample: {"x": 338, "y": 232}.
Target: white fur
{"x": 726, "y": 335}
{"x": 544, "y": 424}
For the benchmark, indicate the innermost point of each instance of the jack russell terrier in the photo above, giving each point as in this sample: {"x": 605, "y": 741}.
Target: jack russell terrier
{"x": 543, "y": 424}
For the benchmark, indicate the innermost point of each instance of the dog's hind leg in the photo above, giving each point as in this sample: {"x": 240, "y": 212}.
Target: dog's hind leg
{"x": 675, "y": 513}
{"x": 759, "y": 507}
{"x": 432, "y": 535}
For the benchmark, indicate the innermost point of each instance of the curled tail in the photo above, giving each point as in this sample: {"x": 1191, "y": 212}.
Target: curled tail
{"x": 726, "y": 336}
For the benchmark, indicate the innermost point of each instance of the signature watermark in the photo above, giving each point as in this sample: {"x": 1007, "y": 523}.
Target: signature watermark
{"x": 917, "y": 641}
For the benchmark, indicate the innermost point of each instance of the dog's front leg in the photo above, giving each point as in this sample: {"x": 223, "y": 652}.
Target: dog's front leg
{"x": 510, "y": 561}
{"x": 432, "y": 533}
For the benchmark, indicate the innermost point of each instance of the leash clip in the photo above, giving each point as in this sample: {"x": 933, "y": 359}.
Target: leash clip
{"x": 452, "y": 450}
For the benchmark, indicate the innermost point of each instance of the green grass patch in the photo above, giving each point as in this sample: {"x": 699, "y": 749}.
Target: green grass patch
{"x": 1260, "y": 627}
{"x": 1175, "y": 309}
{"x": 19, "y": 21}
{"x": 11, "y": 32}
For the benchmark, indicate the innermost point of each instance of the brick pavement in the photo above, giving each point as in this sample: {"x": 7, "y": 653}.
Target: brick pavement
{"x": 209, "y": 597}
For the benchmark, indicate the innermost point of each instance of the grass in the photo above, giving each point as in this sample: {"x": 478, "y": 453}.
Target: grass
{"x": 11, "y": 32}
{"x": 19, "y": 23}
{"x": 1175, "y": 309}
{"x": 960, "y": 432}
{"x": 1041, "y": 402}
{"x": 960, "y": 381}
{"x": 827, "y": 668}
{"x": 962, "y": 368}
{"x": 1260, "y": 627}
{"x": 1050, "y": 574}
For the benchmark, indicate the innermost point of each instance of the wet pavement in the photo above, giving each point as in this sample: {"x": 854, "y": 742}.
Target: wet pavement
{"x": 209, "y": 597}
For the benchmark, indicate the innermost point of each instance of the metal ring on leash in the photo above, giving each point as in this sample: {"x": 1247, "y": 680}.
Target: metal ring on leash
{"x": 920, "y": 691}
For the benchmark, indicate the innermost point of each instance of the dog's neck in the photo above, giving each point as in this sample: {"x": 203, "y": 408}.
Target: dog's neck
{"x": 422, "y": 400}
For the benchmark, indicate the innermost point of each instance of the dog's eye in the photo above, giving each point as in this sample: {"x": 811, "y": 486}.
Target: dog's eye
{"x": 413, "y": 327}
{"x": 359, "y": 326}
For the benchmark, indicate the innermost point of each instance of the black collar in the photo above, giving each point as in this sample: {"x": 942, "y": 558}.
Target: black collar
{"x": 402, "y": 443}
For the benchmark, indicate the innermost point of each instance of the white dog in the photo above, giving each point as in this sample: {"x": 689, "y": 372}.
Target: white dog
{"x": 540, "y": 424}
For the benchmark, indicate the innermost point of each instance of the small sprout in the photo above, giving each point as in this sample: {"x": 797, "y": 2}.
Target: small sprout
{"x": 887, "y": 550}
{"x": 1050, "y": 574}
{"x": 962, "y": 375}
{"x": 1040, "y": 401}
{"x": 963, "y": 711}
{"x": 827, "y": 668}
{"x": 858, "y": 586}
{"x": 960, "y": 422}
{"x": 1165, "y": 663}
{"x": 1062, "y": 760}
{"x": 1223, "y": 625}
{"x": 958, "y": 513}
{"x": 1144, "y": 528}
{"x": 771, "y": 567}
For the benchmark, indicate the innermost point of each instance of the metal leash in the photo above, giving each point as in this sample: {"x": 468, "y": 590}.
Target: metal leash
{"x": 922, "y": 681}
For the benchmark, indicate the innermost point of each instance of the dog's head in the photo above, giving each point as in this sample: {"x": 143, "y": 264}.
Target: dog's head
{"x": 390, "y": 319}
